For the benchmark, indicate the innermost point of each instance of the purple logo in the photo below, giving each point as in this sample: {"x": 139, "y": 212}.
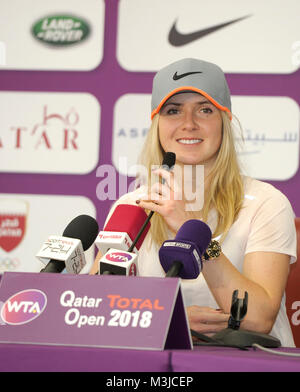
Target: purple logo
{"x": 119, "y": 257}
{"x": 23, "y": 307}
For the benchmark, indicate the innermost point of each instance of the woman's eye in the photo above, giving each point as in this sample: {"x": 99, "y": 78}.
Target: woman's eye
{"x": 206, "y": 110}
{"x": 172, "y": 111}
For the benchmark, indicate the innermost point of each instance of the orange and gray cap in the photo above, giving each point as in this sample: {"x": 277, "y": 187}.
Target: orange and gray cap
{"x": 194, "y": 75}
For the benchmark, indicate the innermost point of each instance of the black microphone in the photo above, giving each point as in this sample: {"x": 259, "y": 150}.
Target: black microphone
{"x": 169, "y": 160}
{"x": 167, "y": 164}
{"x": 84, "y": 228}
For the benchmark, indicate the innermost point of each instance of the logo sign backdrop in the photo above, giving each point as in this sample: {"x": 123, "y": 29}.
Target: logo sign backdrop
{"x": 26, "y": 221}
{"x": 49, "y": 132}
{"x": 56, "y": 35}
{"x": 224, "y": 32}
{"x": 269, "y": 139}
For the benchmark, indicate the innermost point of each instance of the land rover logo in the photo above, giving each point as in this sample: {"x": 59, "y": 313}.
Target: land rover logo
{"x": 61, "y": 30}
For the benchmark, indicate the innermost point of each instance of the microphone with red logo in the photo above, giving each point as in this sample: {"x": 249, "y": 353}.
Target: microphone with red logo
{"x": 121, "y": 239}
{"x": 122, "y": 228}
{"x": 128, "y": 223}
{"x": 182, "y": 257}
{"x": 67, "y": 251}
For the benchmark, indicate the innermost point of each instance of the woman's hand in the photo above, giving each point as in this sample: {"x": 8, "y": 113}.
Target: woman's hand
{"x": 167, "y": 199}
{"x": 207, "y": 320}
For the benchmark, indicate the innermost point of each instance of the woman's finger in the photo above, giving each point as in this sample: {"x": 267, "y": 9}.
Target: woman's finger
{"x": 149, "y": 205}
{"x": 162, "y": 190}
{"x": 166, "y": 176}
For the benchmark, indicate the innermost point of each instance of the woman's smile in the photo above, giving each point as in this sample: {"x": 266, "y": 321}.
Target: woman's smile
{"x": 190, "y": 141}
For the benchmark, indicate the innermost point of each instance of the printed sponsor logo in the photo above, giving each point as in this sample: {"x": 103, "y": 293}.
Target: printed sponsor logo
{"x": 186, "y": 30}
{"x": 118, "y": 257}
{"x": 61, "y": 30}
{"x": 13, "y": 217}
{"x": 177, "y": 77}
{"x": 46, "y": 132}
{"x": 177, "y": 244}
{"x": 52, "y": 35}
{"x": 178, "y": 39}
{"x": 109, "y": 236}
{"x": 42, "y": 135}
{"x": 23, "y": 307}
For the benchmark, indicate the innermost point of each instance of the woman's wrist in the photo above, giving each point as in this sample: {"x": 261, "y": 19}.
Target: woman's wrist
{"x": 213, "y": 251}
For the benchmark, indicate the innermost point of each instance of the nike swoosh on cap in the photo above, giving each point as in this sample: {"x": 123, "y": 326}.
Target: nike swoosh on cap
{"x": 178, "y": 39}
{"x": 177, "y": 77}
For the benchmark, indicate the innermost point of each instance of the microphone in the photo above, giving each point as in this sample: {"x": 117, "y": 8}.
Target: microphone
{"x": 123, "y": 228}
{"x": 121, "y": 239}
{"x": 125, "y": 263}
{"x": 67, "y": 251}
{"x": 168, "y": 161}
{"x": 182, "y": 257}
{"x": 167, "y": 164}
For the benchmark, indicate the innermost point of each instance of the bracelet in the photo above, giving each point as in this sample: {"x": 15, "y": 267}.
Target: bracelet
{"x": 213, "y": 250}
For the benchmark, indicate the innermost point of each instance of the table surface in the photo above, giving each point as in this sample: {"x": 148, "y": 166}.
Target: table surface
{"x": 226, "y": 359}
{"x": 25, "y": 358}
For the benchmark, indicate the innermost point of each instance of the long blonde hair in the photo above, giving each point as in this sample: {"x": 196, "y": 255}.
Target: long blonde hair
{"x": 225, "y": 193}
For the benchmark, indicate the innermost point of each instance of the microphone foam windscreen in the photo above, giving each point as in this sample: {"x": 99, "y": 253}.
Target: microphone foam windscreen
{"x": 84, "y": 228}
{"x": 129, "y": 219}
{"x": 169, "y": 159}
{"x": 195, "y": 231}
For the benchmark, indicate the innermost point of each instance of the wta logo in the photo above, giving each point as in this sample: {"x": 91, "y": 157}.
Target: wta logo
{"x": 23, "y": 307}
{"x": 119, "y": 257}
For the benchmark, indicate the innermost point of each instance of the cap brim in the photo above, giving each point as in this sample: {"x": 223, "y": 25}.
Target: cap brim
{"x": 194, "y": 89}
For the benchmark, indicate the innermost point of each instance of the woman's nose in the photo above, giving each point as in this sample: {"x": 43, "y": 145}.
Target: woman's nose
{"x": 189, "y": 121}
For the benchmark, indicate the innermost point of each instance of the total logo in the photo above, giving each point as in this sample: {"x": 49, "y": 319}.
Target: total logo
{"x": 119, "y": 257}
{"x": 23, "y": 307}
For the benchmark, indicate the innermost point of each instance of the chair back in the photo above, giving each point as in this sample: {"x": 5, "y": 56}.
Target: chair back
{"x": 293, "y": 291}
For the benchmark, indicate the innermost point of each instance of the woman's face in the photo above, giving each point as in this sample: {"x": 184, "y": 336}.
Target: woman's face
{"x": 191, "y": 127}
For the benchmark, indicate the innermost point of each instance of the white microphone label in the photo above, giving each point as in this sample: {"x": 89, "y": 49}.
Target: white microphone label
{"x": 113, "y": 239}
{"x": 67, "y": 250}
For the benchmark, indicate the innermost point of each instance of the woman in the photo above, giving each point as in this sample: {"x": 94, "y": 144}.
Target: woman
{"x": 253, "y": 221}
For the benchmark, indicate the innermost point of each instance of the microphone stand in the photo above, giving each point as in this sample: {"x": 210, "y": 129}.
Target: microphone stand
{"x": 130, "y": 249}
{"x": 174, "y": 270}
{"x": 233, "y": 335}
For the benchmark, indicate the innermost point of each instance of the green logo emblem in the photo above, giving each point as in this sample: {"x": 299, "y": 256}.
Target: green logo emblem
{"x": 61, "y": 30}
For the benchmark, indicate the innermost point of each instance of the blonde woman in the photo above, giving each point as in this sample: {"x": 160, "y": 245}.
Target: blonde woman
{"x": 253, "y": 221}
